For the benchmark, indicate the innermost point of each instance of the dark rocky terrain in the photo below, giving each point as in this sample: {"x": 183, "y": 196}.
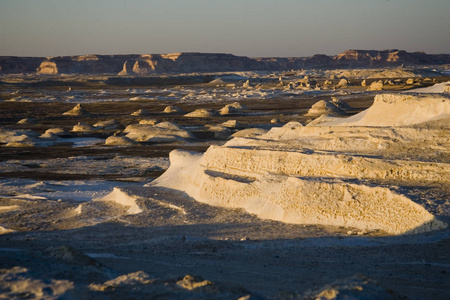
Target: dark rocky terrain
{"x": 136, "y": 64}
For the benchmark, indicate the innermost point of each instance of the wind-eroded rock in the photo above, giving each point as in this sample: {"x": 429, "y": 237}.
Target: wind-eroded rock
{"x": 319, "y": 174}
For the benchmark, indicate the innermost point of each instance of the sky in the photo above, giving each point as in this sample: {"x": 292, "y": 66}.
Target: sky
{"x": 254, "y": 28}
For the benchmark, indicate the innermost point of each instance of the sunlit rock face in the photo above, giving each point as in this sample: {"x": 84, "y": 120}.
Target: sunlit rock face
{"x": 385, "y": 57}
{"x": 47, "y": 67}
{"x": 335, "y": 171}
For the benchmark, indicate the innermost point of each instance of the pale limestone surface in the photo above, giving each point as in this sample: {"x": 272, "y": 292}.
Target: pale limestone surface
{"x": 160, "y": 132}
{"x": 301, "y": 175}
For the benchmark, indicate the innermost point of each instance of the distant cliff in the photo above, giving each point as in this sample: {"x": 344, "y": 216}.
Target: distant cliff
{"x": 209, "y": 62}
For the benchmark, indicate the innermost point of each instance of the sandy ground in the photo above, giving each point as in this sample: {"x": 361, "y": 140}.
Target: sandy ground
{"x": 59, "y": 244}
{"x": 231, "y": 248}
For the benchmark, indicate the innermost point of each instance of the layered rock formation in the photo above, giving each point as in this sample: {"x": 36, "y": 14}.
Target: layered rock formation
{"x": 209, "y": 62}
{"x": 341, "y": 171}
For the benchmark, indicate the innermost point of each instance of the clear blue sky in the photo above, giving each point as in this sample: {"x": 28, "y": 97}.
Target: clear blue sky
{"x": 241, "y": 27}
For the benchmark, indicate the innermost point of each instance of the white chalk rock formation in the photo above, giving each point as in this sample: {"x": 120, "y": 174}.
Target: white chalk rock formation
{"x": 246, "y": 84}
{"x": 82, "y": 127}
{"x": 238, "y": 106}
{"x": 115, "y": 140}
{"x": 217, "y": 81}
{"x": 202, "y": 113}
{"x": 342, "y": 83}
{"x": 439, "y": 88}
{"x": 399, "y": 110}
{"x": 220, "y": 132}
{"x": 447, "y": 88}
{"x": 164, "y": 132}
{"x": 376, "y": 86}
{"x": 148, "y": 121}
{"x": 341, "y": 104}
{"x": 355, "y": 287}
{"x": 323, "y": 107}
{"x": 249, "y": 132}
{"x": 27, "y": 121}
{"x": 124, "y": 70}
{"x": 26, "y": 142}
{"x": 78, "y": 110}
{"x": 17, "y": 138}
{"x": 47, "y": 68}
{"x": 107, "y": 125}
{"x": 49, "y": 136}
{"x": 329, "y": 174}
{"x": 233, "y": 108}
{"x": 410, "y": 81}
{"x": 56, "y": 131}
{"x": 141, "y": 112}
{"x": 229, "y": 110}
{"x": 173, "y": 109}
{"x": 231, "y": 124}
{"x": 122, "y": 198}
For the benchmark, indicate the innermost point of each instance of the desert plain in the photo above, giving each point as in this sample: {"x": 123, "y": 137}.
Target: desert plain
{"x": 300, "y": 184}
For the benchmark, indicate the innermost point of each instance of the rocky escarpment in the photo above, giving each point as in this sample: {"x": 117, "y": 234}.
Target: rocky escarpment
{"x": 136, "y": 64}
{"x": 368, "y": 58}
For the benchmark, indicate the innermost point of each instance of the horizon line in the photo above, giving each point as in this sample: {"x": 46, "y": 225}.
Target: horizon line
{"x": 220, "y": 53}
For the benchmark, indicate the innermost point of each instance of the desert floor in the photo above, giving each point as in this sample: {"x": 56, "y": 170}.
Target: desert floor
{"x": 52, "y": 248}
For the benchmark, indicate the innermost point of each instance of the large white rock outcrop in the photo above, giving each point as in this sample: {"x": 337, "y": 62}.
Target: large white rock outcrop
{"x": 298, "y": 200}
{"x": 399, "y": 110}
{"x": 329, "y": 174}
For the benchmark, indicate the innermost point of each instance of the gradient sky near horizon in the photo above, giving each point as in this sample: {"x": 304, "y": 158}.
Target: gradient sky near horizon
{"x": 255, "y": 28}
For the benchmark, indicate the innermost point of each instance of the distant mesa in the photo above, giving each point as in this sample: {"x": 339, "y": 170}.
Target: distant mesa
{"x": 145, "y": 64}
